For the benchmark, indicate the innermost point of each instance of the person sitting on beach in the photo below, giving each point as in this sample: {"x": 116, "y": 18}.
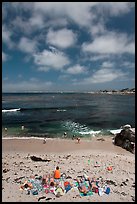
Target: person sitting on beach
{"x": 45, "y": 178}
{"x": 52, "y": 187}
{"x": 51, "y": 177}
{"x": 57, "y": 173}
{"x": 45, "y": 185}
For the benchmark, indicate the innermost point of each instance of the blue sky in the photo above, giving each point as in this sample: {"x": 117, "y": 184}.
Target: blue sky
{"x": 68, "y": 46}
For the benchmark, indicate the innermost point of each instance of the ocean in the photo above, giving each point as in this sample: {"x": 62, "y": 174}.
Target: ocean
{"x": 52, "y": 114}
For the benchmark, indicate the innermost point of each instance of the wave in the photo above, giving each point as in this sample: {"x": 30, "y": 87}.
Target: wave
{"x": 38, "y": 109}
{"x": 57, "y": 109}
{"x": 37, "y": 138}
{"x": 77, "y": 128}
{"x": 10, "y": 110}
{"x": 81, "y": 129}
{"x": 115, "y": 131}
{"x": 61, "y": 110}
{"x": 91, "y": 132}
{"x": 32, "y": 109}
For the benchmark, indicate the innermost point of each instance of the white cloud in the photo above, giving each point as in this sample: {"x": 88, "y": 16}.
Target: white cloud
{"x": 54, "y": 60}
{"x": 51, "y": 22}
{"x": 19, "y": 24}
{"x": 4, "y": 57}
{"x": 82, "y": 13}
{"x": 26, "y": 6}
{"x": 99, "y": 57}
{"x": 76, "y": 69}
{"x": 110, "y": 43}
{"x": 36, "y": 21}
{"x": 115, "y": 9}
{"x": 103, "y": 75}
{"x": 98, "y": 28}
{"x": 6, "y": 36}
{"x": 63, "y": 38}
{"x": 31, "y": 85}
{"x": 128, "y": 64}
{"x": 27, "y": 25}
{"x": 27, "y": 45}
{"x": 43, "y": 14}
{"x": 79, "y": 12}
{"x": 43, "y": 68}
{"x": 107, "y": 64}
{"x": 57, "y": 22}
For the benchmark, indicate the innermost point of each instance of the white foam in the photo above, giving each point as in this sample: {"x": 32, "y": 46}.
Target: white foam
{"x": 115, "y": 131}
{"x": 60, "y": 110}
{"x": 10, "y": 110}
{"x": 92, "y": 132}
{"x": 38, "y": 138}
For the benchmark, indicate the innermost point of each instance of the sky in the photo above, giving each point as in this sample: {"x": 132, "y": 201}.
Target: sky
{"x": 68, "y": 46}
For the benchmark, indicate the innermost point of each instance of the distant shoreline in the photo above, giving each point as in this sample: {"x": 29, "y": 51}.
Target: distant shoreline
{"x": 122, "y": 91}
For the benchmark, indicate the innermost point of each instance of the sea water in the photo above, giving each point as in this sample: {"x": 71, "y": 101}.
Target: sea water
{"x": 52, "y": 114}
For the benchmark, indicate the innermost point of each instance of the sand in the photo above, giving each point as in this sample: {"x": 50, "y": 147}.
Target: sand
{"x": 73, "y": 159}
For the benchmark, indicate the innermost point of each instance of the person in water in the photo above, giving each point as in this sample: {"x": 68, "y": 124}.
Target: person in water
{"x": 78, "y": 140}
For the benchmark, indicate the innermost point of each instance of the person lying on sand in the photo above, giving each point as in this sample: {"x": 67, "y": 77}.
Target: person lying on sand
{"x": 82, "y": 186}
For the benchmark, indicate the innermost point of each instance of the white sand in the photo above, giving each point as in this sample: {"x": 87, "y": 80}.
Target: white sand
{"x": 73, "y": 159}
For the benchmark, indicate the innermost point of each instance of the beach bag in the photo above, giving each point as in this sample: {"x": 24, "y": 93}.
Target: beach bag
{"x": 68, "y": 187}
{"x": 100, "y": 191}
{"x": 107, "y": 190}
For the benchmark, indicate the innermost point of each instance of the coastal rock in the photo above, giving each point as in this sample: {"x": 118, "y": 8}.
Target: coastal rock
{"x": 126, "y": 138}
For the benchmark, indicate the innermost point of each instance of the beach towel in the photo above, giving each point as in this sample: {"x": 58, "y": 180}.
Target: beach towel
{"x": 89, "y": 193}
{"x": 59, "y": 190}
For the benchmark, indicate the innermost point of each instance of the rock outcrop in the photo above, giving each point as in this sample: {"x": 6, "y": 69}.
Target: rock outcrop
{"x": 126, "y": 138}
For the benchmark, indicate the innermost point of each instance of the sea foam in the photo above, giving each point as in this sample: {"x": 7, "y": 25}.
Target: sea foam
{"x": 10, "y": 110}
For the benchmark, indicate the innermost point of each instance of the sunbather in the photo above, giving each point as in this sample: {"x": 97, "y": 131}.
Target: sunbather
{"x": 82, "y": 187}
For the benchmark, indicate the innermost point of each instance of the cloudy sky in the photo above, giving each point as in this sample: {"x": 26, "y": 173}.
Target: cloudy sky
{"x": 68, "y": 46}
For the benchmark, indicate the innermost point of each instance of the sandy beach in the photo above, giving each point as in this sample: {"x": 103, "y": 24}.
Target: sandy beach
{"x": 74, "y": 160}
